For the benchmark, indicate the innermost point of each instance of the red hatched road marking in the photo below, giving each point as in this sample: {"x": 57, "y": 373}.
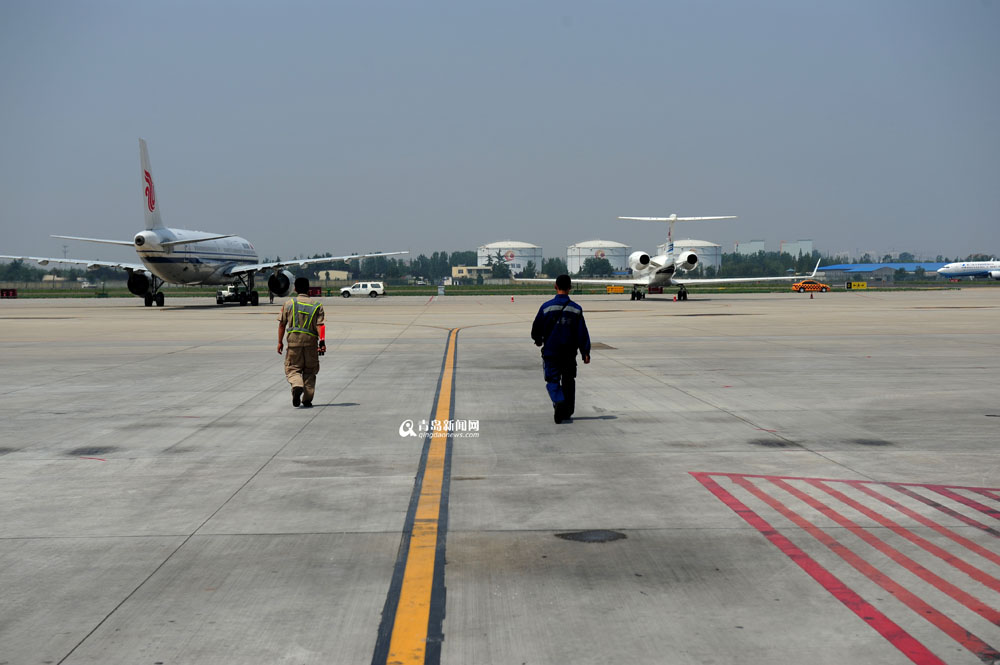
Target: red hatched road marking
{"x": 964, "y": 500}
{"x": 789, "y": 500}
{"x": 989, "y": 494}
{"x": 977, "y": 574}
{"x": 948, "y": 533}
{"x": 902, "y": 640}
{"x": 950, "y": 512}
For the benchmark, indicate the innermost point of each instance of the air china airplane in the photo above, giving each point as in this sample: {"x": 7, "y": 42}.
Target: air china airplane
{"x": 662, "y": 270}
{"x": 179, "y": 256}
{"x": 971, "y": 269}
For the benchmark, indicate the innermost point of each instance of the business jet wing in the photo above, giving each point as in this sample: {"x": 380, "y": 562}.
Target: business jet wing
{"x": 41, "y": 260}
{"x": 675, "y": 218}
{"x": 638, "y": 281}
{"x": 275, "y": 265}
{"x": 736, "y": 280}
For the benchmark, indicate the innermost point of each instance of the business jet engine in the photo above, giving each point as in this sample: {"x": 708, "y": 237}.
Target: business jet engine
{"x": 995, "y": 274}
{"x": 138, "y": 283}
{"x": 638, "y": 260}
{"x": 280, "y": 283}
{"x": 686, "y": 261}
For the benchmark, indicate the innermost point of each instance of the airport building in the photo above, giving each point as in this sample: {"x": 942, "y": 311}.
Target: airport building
{"x": 615, "y": 252}
{"x": 470, "y": 272}
{"x": 333, "y": 275}
{"x": 709, "y": 253}
{"x": 515, "y": 253}
{"x": 796, "y": 247}
{"x": 878, "y": 271}
{"x": 750, "y": 247}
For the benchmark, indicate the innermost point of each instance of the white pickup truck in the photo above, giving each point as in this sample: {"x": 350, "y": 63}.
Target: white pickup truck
{"x": 370, "y": 289}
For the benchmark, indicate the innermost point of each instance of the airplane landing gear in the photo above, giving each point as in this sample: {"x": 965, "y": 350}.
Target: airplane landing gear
{"x": 154, "y": 295}
{"x": 637, "y": 294}
{"x": 247, "y": 295}
{"x": 682, "y": 293}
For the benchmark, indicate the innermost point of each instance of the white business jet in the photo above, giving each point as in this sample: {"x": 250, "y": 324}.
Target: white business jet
{"x": 179, "y": 256}
{"x": 662, "y": 270}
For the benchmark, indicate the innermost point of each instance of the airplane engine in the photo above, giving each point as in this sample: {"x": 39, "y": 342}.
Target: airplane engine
{"x": 686, "y": 260}
{"x": 995, "y": 274}
{"x": 638, "y": 260}
{"x": 280, "y": 283}
{"x": 147, "y": 240}
{"x": 138, "y": 283}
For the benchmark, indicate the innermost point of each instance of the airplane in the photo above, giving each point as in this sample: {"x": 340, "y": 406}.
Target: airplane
{"x": 971, "y": 269}
{"x": 662, "y": 270}
{"x": 180, "y": 256}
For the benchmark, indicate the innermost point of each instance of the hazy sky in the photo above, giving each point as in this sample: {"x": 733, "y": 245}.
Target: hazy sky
{"x": 336, "y": 126}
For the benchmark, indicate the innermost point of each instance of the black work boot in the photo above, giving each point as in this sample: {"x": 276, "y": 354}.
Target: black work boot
{"x": 296, "y": 396}
{"x": 559, "y": 412}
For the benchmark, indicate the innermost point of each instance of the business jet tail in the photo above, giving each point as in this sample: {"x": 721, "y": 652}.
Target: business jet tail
{"x": 152, "y": 210}
{"x": 671, "y": 220}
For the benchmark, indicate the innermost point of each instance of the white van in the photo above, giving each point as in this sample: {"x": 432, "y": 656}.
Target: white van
{"x": 370, "y": 289}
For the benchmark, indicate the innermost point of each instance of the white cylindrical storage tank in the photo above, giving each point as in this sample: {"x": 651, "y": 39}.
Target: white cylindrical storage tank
{"x": 615, "y": 252}
{"x": 709, "y": 254}
{"x": 516, "y": 254}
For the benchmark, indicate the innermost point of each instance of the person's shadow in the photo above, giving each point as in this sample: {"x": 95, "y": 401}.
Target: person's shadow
{"x": 572, "y": 418}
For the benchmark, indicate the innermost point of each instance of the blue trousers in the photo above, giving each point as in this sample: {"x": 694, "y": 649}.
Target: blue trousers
{"x": 560, "y": 381}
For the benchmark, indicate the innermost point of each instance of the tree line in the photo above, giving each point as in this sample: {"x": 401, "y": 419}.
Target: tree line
{"x": 440, "y": 263}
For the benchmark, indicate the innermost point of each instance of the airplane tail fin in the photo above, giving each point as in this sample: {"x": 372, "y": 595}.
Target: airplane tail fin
{"x": 674, "y": 218}
{"x": 152, "y": 211}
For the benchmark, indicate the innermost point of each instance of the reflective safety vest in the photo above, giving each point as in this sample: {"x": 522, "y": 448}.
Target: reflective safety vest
{"x": 302, "y": 317}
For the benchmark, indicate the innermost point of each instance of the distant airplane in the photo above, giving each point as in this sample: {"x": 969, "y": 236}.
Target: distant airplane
{"x": 661, "y": 270}
{"x": 971, "y": 269}
{"x": 179, "y": 256}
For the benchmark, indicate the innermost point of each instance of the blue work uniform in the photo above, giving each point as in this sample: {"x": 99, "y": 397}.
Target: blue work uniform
{"x": 560, "y": 330}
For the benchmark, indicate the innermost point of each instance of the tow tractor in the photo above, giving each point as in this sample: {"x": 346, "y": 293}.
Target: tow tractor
{"x": 236, "y": 293}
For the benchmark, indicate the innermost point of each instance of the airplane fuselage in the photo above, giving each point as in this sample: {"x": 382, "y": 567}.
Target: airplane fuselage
{"x": 204, "y": 262}
{"x": 989, "y": 269}
{"x": 658, "y": 276}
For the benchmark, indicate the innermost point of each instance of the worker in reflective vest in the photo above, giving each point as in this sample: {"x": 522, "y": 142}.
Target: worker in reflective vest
{"x": 305, "y": 322}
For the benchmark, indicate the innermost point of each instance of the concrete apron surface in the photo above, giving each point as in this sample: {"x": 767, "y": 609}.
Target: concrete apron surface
{"x": 758, "y": 478}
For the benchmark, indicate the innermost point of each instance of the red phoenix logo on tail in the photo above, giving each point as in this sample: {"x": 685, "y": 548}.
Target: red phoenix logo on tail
{"x": 150, "y": 193}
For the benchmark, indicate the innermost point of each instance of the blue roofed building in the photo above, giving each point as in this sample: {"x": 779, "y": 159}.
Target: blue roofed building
{"x": 876, "y": 271}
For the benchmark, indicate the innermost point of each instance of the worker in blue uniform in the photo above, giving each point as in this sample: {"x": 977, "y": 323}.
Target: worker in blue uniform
{"x": 560, "y": 330}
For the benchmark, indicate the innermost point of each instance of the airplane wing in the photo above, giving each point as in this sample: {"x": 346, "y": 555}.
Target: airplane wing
{"x": 134, "y": 267}
{"x": 126, "y": 243}
{"x": 639, "y": 281}
{"x": 736, "y": 280}
{"x": 254, "y": 267}
{"x": 130, "y": 243}
{"x": 678, "y": 219}
{"x": 173, "y": 243}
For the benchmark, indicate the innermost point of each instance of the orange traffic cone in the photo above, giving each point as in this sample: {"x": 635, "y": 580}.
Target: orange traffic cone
{"x": 675, "y": 298}
{"x": 512, "y": 298}
{"x": 810, "y": 296}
